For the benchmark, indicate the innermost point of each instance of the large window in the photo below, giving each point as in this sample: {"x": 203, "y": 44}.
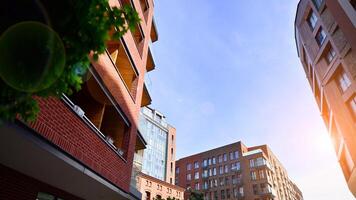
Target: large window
{"x": 343, "y": 80}
{"x": 196, "y": 175}
{"x": 318, "y": 3}
{"x": 189, "y": 177}
{"x": 320, "y": 37}
{"x": 196, "y": 165}
{"x": 312, "y": 19}
{"x": 225, "y": 157}
{"x": 253, "y": 175}
{"x": 330, "y": 55}
{"x": 154, "y": 158}
{"x": 189, "y": 166}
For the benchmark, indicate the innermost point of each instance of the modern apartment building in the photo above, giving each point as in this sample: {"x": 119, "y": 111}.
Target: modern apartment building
{"x": 236, "y": 171}
{"x": 154, "y": 166}
{"x": 82, "y": 146}
{"x": 325, "y": 33}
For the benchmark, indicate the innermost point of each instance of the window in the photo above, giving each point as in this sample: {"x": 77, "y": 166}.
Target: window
{"x": 177, "y": 170}
{"x": 205, "y": 173}
{"x": 222, "y": 194}
{"x": 196, "y": 165}
{"x": 253, "y": 175}
{"x": 209, "y": 161}
{"x": 226, "y": 168}
{"x": 189, "y": 166}
{"x": 171, "y": 167}
{"x": 312, "y": 19}
{"x": 262, "y": 174}
{"x": 221, "y": 181}
{"x": 221, "y": 169}
{"x": 352, "y": 104}
{"x": 236, "y": 192}
{"x": 225, "y": 157}
{"x": 260, "y": 161}
{"x": 197, "y": 186}
{"x": 220, "y": 158}
{"x": 196, "y": 175}
{"x": 235, "y": 166}
{"x": 343, "y": 80}
{"x": 214, "y": 171}
{"x": 214, "y": 160}
{"x": 255, "y": 189}
{"x": 189, "y": 177}
{"x": 241, "y": 191}
{"x": 252, "y": 163}
{"x": 216, "y": 195}
{"x": 231, "y": 155}
{"x": 236, "y": 154}
{"x": 330, "y": 55}
{"x": 148, "y": 195}
{"x": 205, "y": 185}
{"x": 227, "y": 181}
{"x": 228, "y": 193}
{"x": 318, "y": 3}
{"x": 205, "y": 163}
{"x": 320, "y": 37}
{"x": 210, "y": 172}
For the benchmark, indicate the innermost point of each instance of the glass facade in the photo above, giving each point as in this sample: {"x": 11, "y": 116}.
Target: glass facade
{"x": 154, "y": 130}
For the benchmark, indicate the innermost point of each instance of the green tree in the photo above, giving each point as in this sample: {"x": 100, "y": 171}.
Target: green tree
{"x": 69, "y": 32}
{"x": 195, "y": 195}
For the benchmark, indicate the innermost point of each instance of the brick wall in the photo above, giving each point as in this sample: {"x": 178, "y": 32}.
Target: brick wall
{"x": 65, "y": 129}
{"x": 17, "y": 186}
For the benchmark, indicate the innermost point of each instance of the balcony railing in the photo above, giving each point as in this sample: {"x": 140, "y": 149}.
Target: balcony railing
{"x": 86, "y": 120}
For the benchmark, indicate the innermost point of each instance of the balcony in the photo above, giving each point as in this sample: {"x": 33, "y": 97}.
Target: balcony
{"x": 154, "y": 32}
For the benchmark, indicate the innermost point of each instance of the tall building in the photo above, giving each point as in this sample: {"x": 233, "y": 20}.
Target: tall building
{"x": 154, "y": 166}
{"x": 235, "y": 171}
{"x": 82, "y": 146}
{"x": 325, "y": 33}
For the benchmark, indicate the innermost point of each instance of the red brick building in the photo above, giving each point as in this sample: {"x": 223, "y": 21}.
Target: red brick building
{"x": 82, "y": 146}
{"x": 325, "y": 32}
{"x": 235, "y": 171}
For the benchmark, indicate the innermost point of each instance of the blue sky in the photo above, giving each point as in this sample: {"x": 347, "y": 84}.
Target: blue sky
{"x": 228, "y": 71}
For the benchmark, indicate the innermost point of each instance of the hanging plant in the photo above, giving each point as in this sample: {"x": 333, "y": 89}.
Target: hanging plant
{"x": 44, "y": 48}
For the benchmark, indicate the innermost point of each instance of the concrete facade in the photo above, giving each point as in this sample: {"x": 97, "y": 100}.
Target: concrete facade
{"x": 82, "y": 146}
{"x": 325, "y": 33}
{"x": 235, "y": 171}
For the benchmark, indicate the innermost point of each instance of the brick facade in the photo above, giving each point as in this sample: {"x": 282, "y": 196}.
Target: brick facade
{"x": 332, "y": 76}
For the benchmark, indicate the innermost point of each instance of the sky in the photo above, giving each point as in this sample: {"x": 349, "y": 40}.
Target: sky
{"x": 228, "y": 71}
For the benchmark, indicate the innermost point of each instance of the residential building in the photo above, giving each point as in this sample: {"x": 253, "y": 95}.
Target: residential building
{"x": 82, "y": 146}
{"x": 154, "y": 166}
{"x": 325, "y": 33}
{"x": 241, "y": 173}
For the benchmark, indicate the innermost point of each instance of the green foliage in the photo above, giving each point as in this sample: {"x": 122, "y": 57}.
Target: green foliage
{"x": 194, "y": 195}
{"x": 84, "y": 27}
